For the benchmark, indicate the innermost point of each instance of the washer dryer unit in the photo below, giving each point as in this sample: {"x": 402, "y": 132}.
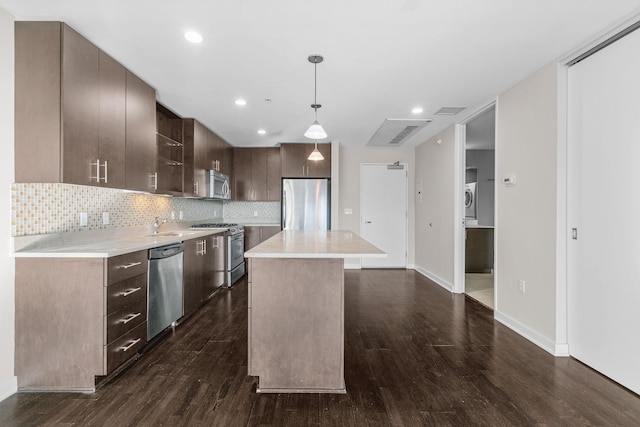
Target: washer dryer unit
{"x": 470, "y": 205}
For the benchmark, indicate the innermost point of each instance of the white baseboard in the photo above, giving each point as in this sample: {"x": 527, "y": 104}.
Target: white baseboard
{"x": 543, "y": 342}
{"x": 8, "y": 388}
{"x": 352, "y": 267}
{"x": 438, "y": 280}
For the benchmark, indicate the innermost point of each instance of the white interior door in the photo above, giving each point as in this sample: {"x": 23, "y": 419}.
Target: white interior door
{"x": 604, "y": 178}
{"x": 383, "y": 207}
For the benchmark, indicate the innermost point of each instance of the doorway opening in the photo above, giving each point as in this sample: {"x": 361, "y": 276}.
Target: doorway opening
{"x": 479, "y": 207}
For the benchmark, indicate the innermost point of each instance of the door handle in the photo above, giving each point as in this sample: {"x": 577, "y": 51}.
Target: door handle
{"x": 367, "y": 222}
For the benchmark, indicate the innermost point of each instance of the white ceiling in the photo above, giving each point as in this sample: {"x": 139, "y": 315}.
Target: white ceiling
{"x": 382, "y": 57}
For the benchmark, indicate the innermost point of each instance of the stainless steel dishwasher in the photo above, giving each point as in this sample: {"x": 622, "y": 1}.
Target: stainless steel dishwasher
{"x": 165, "y": 287}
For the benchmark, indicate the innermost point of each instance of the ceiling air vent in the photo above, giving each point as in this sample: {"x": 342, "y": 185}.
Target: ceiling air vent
{"x": 449, "y": 111}
{"x": 394, "y": 132}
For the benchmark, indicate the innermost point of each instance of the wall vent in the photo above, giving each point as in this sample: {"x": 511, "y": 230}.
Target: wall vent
{"x": 394, "y": 132}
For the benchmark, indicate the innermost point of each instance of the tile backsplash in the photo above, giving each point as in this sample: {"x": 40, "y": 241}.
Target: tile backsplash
{"x": 252, "y": 212}
{"x": 55, "y": 208}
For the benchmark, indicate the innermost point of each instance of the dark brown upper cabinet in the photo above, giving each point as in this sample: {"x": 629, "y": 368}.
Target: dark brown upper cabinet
{"x": 195, "y": 158}
{"x": 79, "y": 113}
{"x": 256, "y": 174}
{"x": 295, "y": 162}
{"x": 140, "y": 157}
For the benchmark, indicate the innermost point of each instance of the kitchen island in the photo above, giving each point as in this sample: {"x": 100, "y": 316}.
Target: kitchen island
{"x": 296, "y": 310}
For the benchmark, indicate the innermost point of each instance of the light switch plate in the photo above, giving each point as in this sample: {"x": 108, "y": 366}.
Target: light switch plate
{"x": 83, "y": 219}
{"x": 105, "y": 218}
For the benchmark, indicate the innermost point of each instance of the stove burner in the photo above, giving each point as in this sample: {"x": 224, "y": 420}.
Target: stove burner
{"x": 215, "y": 225}
{"x": 232, "y": 228}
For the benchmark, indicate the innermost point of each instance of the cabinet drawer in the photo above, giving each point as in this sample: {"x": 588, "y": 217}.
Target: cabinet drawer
{"x": 126, "y": 292}
{"x": 125, "y": 266}
{"x": 126, "y": 346}
{"x": 126, "y": 319}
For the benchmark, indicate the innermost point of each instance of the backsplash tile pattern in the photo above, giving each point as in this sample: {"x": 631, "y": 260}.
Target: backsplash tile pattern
{"x": 245, "y": 212}
{"x": 55, "y": 208}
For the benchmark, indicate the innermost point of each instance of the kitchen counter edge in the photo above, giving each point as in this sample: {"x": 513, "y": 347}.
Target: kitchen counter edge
{"x": 315, "y": 244}
{"x": 110, "y": 248}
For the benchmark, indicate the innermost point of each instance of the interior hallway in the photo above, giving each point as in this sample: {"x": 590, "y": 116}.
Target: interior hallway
{"x": 479, "y": 286}
{"x": 415, "y": 355}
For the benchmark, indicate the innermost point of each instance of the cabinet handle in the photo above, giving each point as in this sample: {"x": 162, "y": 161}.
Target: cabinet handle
{"x": 130, "y": 317}
{"x": 302, "y": 170}
{"x": 105, "y": 171}
{"x": 204, "y": 247}
{"x": 133, "y": 264}
{"x": 129, "y": 292}
{"x": 155, "y": 181}
{"x": 195, "y": 188}
{"x": 97, "y": 165}
{"x": 131, "y": 344}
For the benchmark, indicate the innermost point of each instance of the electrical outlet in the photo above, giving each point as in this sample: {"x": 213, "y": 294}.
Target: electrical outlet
{"x": 181, "y": 215}
{"x": 83, "y": 219}
{"x": 521, "y": 286}
{"x": 215, "y": 214}
{"x": 255, "y": 213}
{"x": 105, "y": 218}
{"x": 173, "y": 215}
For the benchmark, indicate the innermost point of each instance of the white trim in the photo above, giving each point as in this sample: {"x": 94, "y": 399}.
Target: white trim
{"x": 434, "y": 278}
{"x": 459, "y": 231}
{"x": 352, "y": 267}
{"x": 411, "y": 266}
{"x": 531, "y": 335}
{"x": 8, "y": 388}
{"x": 562, "y": 229}
{"x": 601, "y": 36}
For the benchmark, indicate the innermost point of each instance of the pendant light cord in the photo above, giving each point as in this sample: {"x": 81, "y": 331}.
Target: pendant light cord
{"x": 315, "y": 88}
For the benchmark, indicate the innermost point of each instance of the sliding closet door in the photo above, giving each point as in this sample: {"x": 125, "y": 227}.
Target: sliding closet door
{"x": 604, "y": 211}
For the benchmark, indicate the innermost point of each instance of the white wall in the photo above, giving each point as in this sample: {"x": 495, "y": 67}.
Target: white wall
{"x": 435, "y": 214}
{"x": 7, "y": 283}
{"x": 349, "y": 187}
{"x": 526, "y": 145}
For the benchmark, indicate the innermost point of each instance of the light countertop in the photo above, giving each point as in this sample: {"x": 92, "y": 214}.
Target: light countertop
{"x": 315, "y": 244}
{"x": 107, "y": 247}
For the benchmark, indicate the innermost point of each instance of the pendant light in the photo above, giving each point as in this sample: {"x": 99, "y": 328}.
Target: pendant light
{"x": 315, "y": 131}
{"x": 315, "y": 154}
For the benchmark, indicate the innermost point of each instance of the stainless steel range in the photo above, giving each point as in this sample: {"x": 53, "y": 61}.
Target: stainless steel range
{"x": 235, "y": 266}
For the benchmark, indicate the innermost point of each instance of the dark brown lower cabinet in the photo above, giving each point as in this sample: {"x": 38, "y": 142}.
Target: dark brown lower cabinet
{"x": 78, "y": 319}
{"x": 256, "y": 234}
{"x": 203, "y": 270}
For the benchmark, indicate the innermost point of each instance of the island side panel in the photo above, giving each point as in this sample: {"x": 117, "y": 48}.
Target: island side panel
{"x": 297, "y": 324}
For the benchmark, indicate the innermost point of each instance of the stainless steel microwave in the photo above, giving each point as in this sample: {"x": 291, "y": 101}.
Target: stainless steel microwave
{"x": 218, "y": 185}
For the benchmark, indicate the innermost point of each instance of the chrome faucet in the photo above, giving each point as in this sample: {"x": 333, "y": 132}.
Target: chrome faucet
{"x": 157, "y": 224}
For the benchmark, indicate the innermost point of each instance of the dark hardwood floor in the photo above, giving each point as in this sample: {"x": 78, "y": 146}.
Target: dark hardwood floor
{"x": 415, "y": 355}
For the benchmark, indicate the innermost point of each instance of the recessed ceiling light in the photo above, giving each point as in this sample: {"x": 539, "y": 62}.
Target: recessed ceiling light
{"x": 262, "y": 131}
{"x": 241, "y": 102}
{"x": 193, "y": 37}
{"x": 417, "y": 110}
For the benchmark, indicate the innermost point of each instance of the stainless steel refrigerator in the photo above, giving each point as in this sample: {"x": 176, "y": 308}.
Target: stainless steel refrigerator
{"x": 306, "y": 204}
